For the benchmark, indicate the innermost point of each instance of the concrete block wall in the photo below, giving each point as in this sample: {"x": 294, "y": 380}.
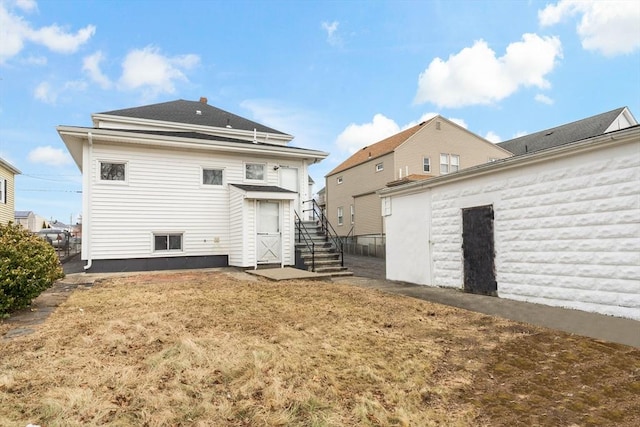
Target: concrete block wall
{"x": 567, "y": 232}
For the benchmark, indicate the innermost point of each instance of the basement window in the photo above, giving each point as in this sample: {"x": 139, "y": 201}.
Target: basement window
{"x": 167, "y": 242}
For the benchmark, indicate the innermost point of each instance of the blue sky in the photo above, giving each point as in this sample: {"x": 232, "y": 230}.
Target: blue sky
{"x": 338, "y": 75}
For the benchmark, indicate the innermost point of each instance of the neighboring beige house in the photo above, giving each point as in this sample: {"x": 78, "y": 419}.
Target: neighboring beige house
{"x": 7, "y": 191}
{"x": 30, "y": 221}
{"x": 434, "y": 147}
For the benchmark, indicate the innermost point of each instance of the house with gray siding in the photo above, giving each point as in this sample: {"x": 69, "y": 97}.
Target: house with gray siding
{"x": 183, "y": 184}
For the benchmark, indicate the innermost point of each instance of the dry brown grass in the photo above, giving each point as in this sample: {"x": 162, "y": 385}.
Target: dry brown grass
{"x": 208, "y": 349}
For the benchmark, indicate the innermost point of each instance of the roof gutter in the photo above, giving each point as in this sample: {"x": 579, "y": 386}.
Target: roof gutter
{"x": 190, "y": 143}
{"x": 585, "y": 145}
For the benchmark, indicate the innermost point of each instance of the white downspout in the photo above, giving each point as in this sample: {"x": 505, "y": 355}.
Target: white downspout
{"x": 86, "y": 196}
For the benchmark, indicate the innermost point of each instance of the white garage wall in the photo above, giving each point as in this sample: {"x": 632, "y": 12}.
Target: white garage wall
{"x": 567, "y": 231}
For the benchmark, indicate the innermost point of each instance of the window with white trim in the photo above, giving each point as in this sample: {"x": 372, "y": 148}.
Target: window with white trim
{"x": 353, "y": 214}
{"x": 379, "y": 167}
{"x": 386, "y": 206}
{"x": 339, "y": 180}
{"x": 211, "y": 176}
{"x": 113, "y": 171}
{"x": 455, "y": 163}
{"x": 167, "y": 242}
{"x": 340, "y": 215}
{"x": 255, "y": 172}
{"x": 426, "y": 164}
{"x": 449, "y": 163}
{"x": 3, "y": 191}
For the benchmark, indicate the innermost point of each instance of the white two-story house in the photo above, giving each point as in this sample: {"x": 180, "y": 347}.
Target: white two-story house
{"x": 183, "y": 184}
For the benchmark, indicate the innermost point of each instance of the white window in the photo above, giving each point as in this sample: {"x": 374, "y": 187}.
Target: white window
{"x": 113, "y": 171}
{"x": 340, "y": 215}
{"x": 339, "y": 180}
{"x": 353, "y": 214}
{"x": 444, "y": 163}
{"x": 379, "y": 167}
{"x": 426, "y": 164}
{"x": 449, "y": 163}
{"x": 255, "y": 172}
{"x": 211, "y": 176}
{"x": 455, "y": 163}
{"x": 165, "y": 242}
{"x": 3, "y": 190}
{"x": 386, "y": 206}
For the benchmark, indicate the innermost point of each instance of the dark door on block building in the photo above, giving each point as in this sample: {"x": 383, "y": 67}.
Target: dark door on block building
{"x": 478, "y": 251}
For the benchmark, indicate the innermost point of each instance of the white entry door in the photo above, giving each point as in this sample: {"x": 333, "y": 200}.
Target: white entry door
{"x": 268, "y": 239}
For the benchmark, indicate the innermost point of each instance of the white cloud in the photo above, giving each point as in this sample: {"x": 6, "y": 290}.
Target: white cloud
{"x": 49, "y": 94}
{"x": 44, "y": 93}
{"x": 27, "y": 5}
{"x": 333, "y": 38}
{"x": 15, "y": 32}
{"x": 355, "y": 136}
{"x": 148, "y": 68}
{"x": 91, "y": 65}
{"x": 476, "y": 76}
{"x": 49, "y": 156}
{"x": 493, "y": 137}
{"x": 544, "y": 99}
{"x": 610, "y": 27}
{"x": 57, "y": 40}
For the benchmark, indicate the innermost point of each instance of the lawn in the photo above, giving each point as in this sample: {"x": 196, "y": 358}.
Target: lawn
{"x": 213, "y": 350}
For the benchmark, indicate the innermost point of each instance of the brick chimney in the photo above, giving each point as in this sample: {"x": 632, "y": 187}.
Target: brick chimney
{"x": 203, "y": 99}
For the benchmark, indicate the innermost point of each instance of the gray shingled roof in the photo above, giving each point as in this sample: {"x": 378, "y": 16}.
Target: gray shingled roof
{"x": 262, "y": 188}
{"x": 197, "y": 135}
{"x": 21, "y": 214}
{"x": 182, "y": 111}
{"x": 560, "y": 135}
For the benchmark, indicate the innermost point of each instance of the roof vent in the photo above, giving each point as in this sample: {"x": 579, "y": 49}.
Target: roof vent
{"x": 198, "y": 112}
{"x": 203, "y": 99}
{"x": 549, "y": 133}
{"x": 228, "y": 125}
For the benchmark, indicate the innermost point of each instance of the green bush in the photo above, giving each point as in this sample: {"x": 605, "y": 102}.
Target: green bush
{"x": 28, "y": 266}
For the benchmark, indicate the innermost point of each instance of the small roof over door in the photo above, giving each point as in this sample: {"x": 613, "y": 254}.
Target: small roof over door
{"x": 270, "y": 192}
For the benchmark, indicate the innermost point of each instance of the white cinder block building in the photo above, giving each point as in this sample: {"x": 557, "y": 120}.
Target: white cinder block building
{"x": 560, "y": 226}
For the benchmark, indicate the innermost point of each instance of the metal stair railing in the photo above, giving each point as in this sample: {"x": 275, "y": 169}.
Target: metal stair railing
{"x": 326, "y": 228}
{"x": 303, "y": 233}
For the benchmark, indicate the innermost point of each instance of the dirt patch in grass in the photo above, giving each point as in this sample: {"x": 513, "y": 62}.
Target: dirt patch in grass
{"x": 209, "y": 349}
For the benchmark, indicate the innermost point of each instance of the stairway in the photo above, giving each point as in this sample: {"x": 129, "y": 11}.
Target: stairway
{"x": 327, "y": 256}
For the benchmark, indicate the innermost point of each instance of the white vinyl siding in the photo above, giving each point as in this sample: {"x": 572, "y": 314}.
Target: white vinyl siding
{"x": 123, "y": 216}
